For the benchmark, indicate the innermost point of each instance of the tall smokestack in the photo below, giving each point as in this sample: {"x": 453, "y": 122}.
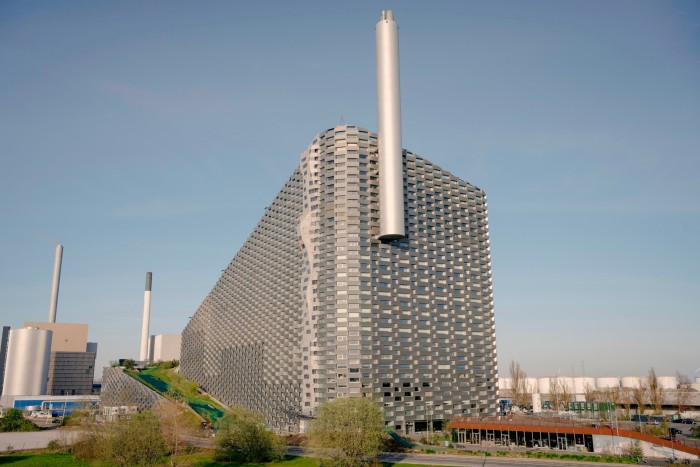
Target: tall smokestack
{"x": 391, "y": 208}
{"x": 143, "y": 355}
{"x": 53, "y": 304}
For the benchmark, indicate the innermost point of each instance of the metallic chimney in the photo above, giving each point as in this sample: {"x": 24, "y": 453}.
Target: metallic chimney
{"x": 143, "y": 355}
{"x": 53, "y": 304}
{"x": 391, "y": 204}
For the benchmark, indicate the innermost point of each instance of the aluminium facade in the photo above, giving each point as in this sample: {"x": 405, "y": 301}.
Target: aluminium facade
{"x": 314, "y": 307}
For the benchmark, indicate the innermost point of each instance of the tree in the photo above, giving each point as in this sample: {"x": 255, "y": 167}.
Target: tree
{"x": 555, "y": 392}
{"x": 626, "y": 400}
{"x": 14, "y": 420}
{"x": 615, "y": 395}
{"x": 243, "y": 436}
{"x": 634, "y": 450}
{"x": 175, "y": 420}
{"x": 352, "y": 429}
{"x": 590, "y": 393}
{"x": 657, "y": 393}
{"x": 137, "y": 441}
{"x": 567, "y": 394}
{"x": 522, "y": 393}
{"x": 683, "y": 391}
{"x": 639, "y": 396}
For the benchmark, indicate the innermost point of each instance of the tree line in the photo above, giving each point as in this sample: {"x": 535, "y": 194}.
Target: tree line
{"x": 648, "y": 392}
{"x": 350, "y": 432}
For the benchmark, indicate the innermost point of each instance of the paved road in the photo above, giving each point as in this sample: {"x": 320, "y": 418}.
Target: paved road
{"x": 465, "y": 461}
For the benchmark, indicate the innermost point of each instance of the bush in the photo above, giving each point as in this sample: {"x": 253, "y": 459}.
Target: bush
{"x": 137, "y": 441}
{"x": 243, "y": 437}
{"x": 127, "y": 442}
{"x": 14, "y": 421}
{"x": 352, "y": 429}
{"x": 634, "y": 450}
{"x": 695, "y": 431}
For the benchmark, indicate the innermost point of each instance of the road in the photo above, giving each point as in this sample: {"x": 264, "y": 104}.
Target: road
{"x": 465, "y": 461}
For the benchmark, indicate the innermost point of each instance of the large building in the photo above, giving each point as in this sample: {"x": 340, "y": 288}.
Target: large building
{"x": 71, "y": 367}
{"x": 339, "y": 292}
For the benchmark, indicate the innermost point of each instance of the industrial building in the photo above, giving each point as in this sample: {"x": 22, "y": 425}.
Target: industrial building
{"x": 614, "y": 389}
{"x": 4, "y": 340}
{"x": 164, "y": 347}
{"x": 48, "y": 358}
{"x": 369, "y": 275}
{"x": 72, "y": 359}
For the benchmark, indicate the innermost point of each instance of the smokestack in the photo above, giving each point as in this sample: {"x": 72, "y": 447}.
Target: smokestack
{"x": 143, "y": 355}
{"x": 53, "y": 304}
{"x": 391, "y": 208}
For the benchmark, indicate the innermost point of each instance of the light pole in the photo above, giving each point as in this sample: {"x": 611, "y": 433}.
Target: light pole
{"x": 617, "y": 428}
{"x": 430, "y": 420}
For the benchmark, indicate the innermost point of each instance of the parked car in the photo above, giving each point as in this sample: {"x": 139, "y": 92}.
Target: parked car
{"x": 673, "y": 440}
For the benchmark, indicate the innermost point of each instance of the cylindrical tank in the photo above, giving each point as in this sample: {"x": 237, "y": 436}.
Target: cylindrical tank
{"x": 505, "y": 384}
{"x": 543, "y": 385}
{"x": 583, "y": 384}
{"x": 566, "y": 383}
{"x": 27, "y": 367}
{"x": 633, "y": 381}
{"x": 607, "y": 382}
{"x": 668, "y": 382}
{"x": 532, "y": 385}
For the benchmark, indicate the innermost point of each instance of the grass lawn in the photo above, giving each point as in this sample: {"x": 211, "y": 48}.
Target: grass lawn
{"x": 42, "y": 460}
{"x": 201, "y": 459}
{"x": 168, "y": 382}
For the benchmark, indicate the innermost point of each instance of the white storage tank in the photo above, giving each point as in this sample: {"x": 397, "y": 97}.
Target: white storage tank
{"x": 505, "y": 384}
{"x": 604, "y": 382}
{"x": 566, "y": 383}
{"x": 668, "y": 382}
{"x": 27, "y": 364}
{"x": 543, "y": 385}
{"x": 634, "y": 381}
{"x": 629, "y": 381}
{"x": 532, "y": 385}
{"x": 584, "y": 383}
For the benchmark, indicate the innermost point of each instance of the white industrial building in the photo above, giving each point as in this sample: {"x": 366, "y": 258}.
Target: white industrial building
{"x": 164, "y": 347}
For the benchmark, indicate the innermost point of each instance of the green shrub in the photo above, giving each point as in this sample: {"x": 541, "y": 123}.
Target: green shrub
{"x": 14, "y": 420}
{"x": 242, "y": 436}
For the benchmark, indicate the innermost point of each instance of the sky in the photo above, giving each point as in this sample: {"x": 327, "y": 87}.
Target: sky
{"x": 150, "y": 136}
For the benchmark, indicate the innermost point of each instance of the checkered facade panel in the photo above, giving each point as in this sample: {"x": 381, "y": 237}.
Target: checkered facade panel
{"x": 314, "y": 307}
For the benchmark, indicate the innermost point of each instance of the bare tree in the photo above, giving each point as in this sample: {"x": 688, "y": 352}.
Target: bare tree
{"x": 589, "y": 393}
{"x": 567, "y": 394}
{"x": 522, "y": 392}
{"x": 555, "y": 392}
{"x": 614, "y": 395}
{"x": 639, "y": 395}
{"x": 175, "y": 420}
{"x": 626, "y": 398}
{"x": 657, "y": 392}
{"x": 683, "y": 391}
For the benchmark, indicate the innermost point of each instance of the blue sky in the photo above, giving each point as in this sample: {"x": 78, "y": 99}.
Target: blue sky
{"x": 150, "y": 136}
